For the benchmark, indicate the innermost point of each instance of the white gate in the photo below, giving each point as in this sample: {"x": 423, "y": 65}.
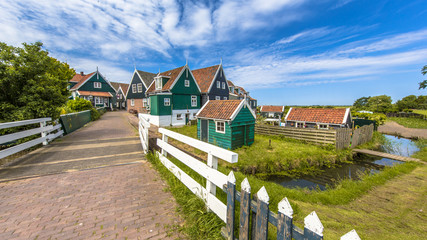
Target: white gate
{"x": 144, "y": 126}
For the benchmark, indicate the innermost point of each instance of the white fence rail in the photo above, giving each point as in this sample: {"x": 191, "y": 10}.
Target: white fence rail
{"x": 46, "y": 132}
{"x": 144, "y": 126}
{"x": 214, "y": 178}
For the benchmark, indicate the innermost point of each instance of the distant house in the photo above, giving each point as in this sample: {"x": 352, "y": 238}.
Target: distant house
{"x": 212, "y": 82}
{"x": 136, "y": 98}
{"x": 228, "y": 124}
{"x": 121, "y": 89}
{"x": 238, "y": 93}
{"x": 174, "y": 97}
{"x": 272, "y": 113}
{"x": 320, "y": 118}
{"x": 93, "y": 87}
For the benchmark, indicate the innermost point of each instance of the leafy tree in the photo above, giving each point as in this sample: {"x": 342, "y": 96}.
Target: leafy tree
{"x": 423, "y": 84}
{"x": 421, "y": 102}
{"x": 79, "y": 104}
{"x": 380, "y": 103}
{"x": 361, "y": 102}
{"x": 32, "y": 84}
{"x": 408, "y": 102}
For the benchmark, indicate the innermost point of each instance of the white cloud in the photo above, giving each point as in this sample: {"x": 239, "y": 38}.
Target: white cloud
{"x": 307, "y": 35}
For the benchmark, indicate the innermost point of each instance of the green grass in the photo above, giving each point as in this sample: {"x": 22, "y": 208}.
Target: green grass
{"x": 410, "y": 122}
{"x": 422, "y": 145}
{"x": 419, "y": 111}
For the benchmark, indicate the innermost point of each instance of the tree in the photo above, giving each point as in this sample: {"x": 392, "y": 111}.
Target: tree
{"x": 32, "y": 84}
{"x": 408, "y": 102}
{"x": 423, "y": 84}
{"x": 361, "y": 102}
{"x": 380, "y": 103}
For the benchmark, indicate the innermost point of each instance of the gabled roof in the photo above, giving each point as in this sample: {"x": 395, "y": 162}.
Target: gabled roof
{"x": 80, "y": 79}
{"x": 318, "y": 115}
{"x": 146, "y": 77}
{"x": 171, "y": 74}
{"x": 123, "y": 86}
{"x": 205, "y": 77}
{"x": 230, "y": 83}
{"x": 222, "y": 109}
{"x": 270, "y": 108}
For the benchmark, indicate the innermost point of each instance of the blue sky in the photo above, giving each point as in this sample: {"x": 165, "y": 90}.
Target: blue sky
{"x": 291, "y": 52}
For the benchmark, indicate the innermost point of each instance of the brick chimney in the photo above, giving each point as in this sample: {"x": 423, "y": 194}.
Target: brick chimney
{"x": 82, "y": 73}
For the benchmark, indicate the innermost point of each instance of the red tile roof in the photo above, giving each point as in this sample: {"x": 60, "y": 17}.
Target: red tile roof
{"x": 318, "y": 115}
{"x": 80, "y": 79}
{"x": 95, "y": 94}
{"x": 230, "y": 83}
{"x": 205, "y": 76}
{"x": 172, "y": 74}
{"x": 116, "y": 86}
{"x": 219, "y": 109}
{"x": 269, "y": 108}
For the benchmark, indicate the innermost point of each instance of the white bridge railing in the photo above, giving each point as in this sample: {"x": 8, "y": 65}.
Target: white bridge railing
{"x": 45, "y": 130}
{"x": 214, "y": 178}
{"x": 144, "y": 126}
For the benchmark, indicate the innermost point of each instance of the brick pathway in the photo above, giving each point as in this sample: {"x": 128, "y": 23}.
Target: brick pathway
{"x": 100, "y": 196}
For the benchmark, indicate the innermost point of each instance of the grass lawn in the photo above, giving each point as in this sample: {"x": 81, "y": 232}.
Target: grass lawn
{"x": 409, "y": 122}
{"x": 419, "y": 111}
{"x": 387, "y": 205}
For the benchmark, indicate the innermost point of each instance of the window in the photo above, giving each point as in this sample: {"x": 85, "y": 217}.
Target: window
{"x": 299, "y": 125}
{"x": 144, "y": 102}
{"x": 106, "y": 100}
{"x": 220, "y": 127}
{"x": 194, "y": 101}
{"x": 217, "y": 98}
{"x": 133, "y": 88}
{"x": 223, "y": 85}
{"x": 158, "y": 83}
{"x": 179, "y": 117}
{"x": 270, "y": 114}
{"x": 187, "y": 83}
{"x": 194, "y": 115}
{"x": 132, "y": 102}
{"x": 96, "y": 84}
{"x": 97, "y": 100}
{"x": 167, "y": 101}
{"x": 323, "y": 126}
{"x": 225, "y": 98}
{"x": 139, "y": 87}
{"x": 218, "y": 84}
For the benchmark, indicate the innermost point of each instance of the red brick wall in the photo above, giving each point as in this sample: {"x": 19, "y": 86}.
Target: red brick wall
{"x": 137, "y": 106}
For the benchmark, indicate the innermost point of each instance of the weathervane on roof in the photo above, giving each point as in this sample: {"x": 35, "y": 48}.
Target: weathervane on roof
{"x": 186, "y": 62}
{"x": 220, "y": 62}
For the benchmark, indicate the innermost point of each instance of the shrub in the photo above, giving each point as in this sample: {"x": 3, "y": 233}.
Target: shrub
{"x": 79, "y": 104}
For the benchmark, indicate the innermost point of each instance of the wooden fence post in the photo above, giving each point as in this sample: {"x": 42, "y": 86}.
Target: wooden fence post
{"x": 284, "y": 220}
{"x": 352, "y": 235}
{"x": 245, "y": 209}
{"x": 313, "y": 228}
{"x": 261, "y": 230}
{"x": 212, "y": 163}
{"x": 231, "y": 197}
{"x": 165, "y": 139}
{"x": 44, "y": 133}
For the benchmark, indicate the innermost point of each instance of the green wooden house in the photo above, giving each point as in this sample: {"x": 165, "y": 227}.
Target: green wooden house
{"x": 228, "y": 124}
{"x": 93, "y": 87}
{"x": 174, "y": 97}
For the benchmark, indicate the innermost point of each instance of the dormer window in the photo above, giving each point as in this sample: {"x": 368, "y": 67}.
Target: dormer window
{"x": 187, "y": 83}
{"x": 159, "y": 83}
{"x": 97, "y": 85}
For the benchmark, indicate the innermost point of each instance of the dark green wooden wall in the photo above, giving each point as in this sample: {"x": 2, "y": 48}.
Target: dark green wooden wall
{"x": 89, "y": 86}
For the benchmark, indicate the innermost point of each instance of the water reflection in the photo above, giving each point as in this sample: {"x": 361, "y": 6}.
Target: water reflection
{"x": 368, "y": 164}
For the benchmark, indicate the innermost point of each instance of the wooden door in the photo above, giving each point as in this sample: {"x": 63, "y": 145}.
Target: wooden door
{"x": 204, "y": 130}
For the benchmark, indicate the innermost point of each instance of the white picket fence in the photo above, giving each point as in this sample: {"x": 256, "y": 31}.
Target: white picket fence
{"x": 144, "y": 126}
{"x": 45, "y": 130}
{"x": 214, "y": 178}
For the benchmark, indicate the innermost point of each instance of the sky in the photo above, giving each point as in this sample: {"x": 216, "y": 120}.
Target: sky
{"x": 284, "y": 52}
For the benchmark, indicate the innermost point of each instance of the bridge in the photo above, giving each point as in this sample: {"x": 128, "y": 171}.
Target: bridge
{"x": 92, "y": 183}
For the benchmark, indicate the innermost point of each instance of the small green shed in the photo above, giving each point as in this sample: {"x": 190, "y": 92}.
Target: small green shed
{"x": 228, "y": 124}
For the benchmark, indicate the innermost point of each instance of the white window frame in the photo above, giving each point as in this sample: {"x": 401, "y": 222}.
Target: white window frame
{"x": 217, "y": 98}
{"x": 218, "y": 84}
{"x": 193, "y": 100}
{"x": 97, "y": 85}
{"x": 187, "y": 83}
{"x": 271, "y": 114}
{"x": 225, "y": 98}
{"x": 219, "y": 128}
{"x": 139, "y": 86}
{"x": 299, "y": 124}
{"x": 166, "y": 102}
{"x": 322, "y": 126}
{"x": 179, "y": 116}
{"x": 132, "y": 102}
{"x": 158, "y": 83}
{"x": 144, "y": 102}
{"x": 223, "y": 85}
{"x": 134, "y": 88}
{"x": 106, "y": 100}
{"x": 97, "y": 100}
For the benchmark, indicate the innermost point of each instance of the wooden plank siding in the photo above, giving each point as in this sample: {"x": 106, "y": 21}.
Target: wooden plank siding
{"x": 309, "y": 135}
{"x": 220, "y": 139}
